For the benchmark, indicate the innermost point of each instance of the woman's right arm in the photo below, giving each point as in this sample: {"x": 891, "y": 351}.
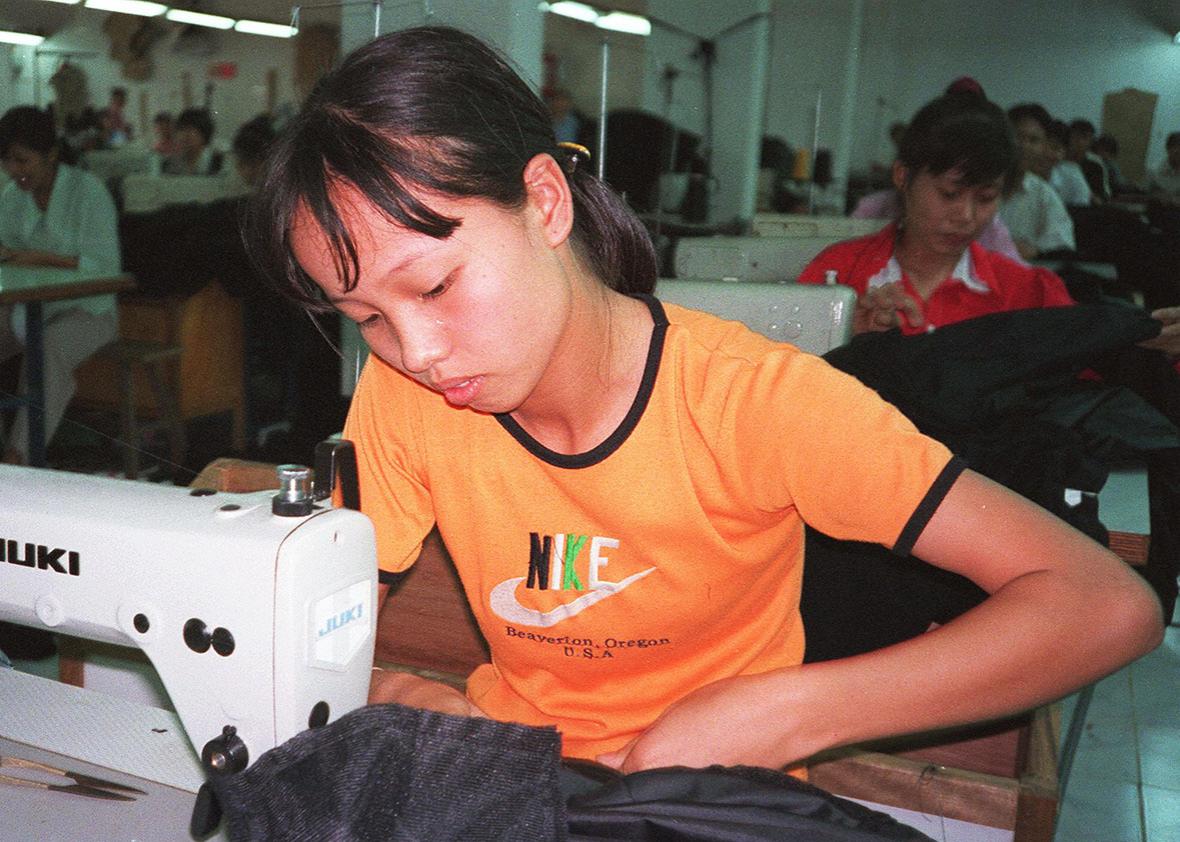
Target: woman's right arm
{"x": 404, "y": 688}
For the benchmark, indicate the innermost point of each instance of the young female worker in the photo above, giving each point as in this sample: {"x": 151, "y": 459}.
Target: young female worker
{"x": 954, "y": 163}
{"x": 623, "y": 484}
{"x": 52, "y": 214}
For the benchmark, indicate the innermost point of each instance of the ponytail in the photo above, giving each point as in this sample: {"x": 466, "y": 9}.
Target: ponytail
{"x": 607, "y": 236}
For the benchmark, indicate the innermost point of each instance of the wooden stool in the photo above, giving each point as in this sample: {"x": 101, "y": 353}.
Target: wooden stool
{"x": 152, "y": 358}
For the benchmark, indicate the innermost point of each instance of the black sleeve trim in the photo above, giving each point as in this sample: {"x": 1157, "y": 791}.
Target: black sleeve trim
{"x": 384, "y": 577}
{"x": 921, "y": 516}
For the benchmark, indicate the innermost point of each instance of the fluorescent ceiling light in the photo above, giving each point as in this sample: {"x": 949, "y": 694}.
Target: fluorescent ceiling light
{"x": 128, "y": 7}
{"x": 624, "y": 22}
{"x": 65, "y": 2}
{"x": 199, "y": 19}
{"x": 577, "y": 11}
{"x": 257, "y": 27}
{"x": 22, "y": 38}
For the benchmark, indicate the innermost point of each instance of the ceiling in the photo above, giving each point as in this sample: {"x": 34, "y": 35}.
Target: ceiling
{"x": 45, "y": 18}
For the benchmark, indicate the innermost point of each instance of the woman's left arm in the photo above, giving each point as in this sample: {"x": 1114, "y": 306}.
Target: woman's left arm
{"x": 1063, "y": 612}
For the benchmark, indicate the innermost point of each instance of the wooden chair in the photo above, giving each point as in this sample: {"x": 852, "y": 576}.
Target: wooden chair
{"x": 152, "y": 361}
{"x": 205, "y": 379}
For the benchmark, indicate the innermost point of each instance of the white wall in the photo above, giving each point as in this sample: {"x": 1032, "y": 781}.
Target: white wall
{"x": 1065, "y": 54}
{"x": 233, "y": 102}
{"x": 739, "y": 31}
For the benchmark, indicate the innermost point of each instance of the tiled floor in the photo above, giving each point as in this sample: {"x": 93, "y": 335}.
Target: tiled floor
{"x": 1125, "y": 781}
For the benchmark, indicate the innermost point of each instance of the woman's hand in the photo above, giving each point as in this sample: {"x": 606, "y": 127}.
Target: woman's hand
{"x": 884, "y": 308}
{"x": 1168, "y": 340}
{"x": 405, "y": 688}
{"x": 734, "y": 721}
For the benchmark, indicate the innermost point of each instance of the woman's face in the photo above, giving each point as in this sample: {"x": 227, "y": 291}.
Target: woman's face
{"x": 1030, "y": 137}
{"x": 476, "y": 316}
{"x": 943, "y": 214}
{"x": 32, "y": 171}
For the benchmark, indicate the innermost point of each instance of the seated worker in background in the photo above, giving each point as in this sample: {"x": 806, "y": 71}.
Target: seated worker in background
{"x": 52, "y": 214}
{"x": 1065, "y": 176}
{"x": 928, "y": 269}
{"x": 162, "y": 126}
{"x": 251, "y": 143}
{"x": 1080, "y": 150}
{"x": 1164, "y": 183}
{"x": 1032, "y": 210}
{"x": 632, "y": 476}
{"x": 887, "y": 204}
{"x": 1106, "y": 147}
{"x": 116, "y": 131}
{"x": 194, "y": 130}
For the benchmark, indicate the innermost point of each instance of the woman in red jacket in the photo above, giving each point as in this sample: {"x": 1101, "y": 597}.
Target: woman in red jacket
{"x": 955, "y": 161}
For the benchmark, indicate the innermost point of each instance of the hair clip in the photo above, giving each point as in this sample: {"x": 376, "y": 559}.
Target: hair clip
{"x": 575, "y": 153}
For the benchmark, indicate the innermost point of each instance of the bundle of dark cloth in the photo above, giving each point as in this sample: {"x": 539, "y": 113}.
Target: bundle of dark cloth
{"x": 1040, "y": 400}
{"x": 396, "y": 774}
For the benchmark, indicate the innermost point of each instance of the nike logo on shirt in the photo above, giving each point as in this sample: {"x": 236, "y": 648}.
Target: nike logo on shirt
{"x": 505, "y": 605}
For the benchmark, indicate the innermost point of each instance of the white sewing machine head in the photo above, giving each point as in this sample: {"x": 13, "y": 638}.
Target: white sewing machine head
{"x": 259, "y": 621}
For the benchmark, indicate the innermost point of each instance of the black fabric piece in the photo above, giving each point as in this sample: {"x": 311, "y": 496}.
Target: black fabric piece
{"x": 921, "y": 516}
{"x": 393, "y": 773}
{"x": 721, "y": 804}
{"x": 1003, "y": 392}
{"x": 388, "y": 772}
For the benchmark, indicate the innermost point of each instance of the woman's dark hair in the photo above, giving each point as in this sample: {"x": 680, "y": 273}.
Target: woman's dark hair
{"x": 429, "y": 109}
{"x": 30, "y": 127}
{"x": 961, "y": 131}
{"x": 196, "y": 118}
{"x": 1058, "y": 132}
{"x": 1030, "y": 111}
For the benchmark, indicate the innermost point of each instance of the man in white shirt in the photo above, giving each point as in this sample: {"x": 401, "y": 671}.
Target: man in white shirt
{"x": 1034, "y": 212}
{"x": 1165, "y": 182}
{"x": 1065, "y": 175}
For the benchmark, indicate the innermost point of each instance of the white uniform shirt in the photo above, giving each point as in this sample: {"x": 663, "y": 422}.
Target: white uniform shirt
{"x": 1070, "y": 183}
{"x": 80, "y": 221}
{"x": 1036, "y": 214}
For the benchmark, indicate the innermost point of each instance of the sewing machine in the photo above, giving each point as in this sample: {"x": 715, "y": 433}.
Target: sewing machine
{"x": 257, "y": 610}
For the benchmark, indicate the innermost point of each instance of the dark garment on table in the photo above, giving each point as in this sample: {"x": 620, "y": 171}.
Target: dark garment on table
{"x": 1003, "y": 392}
{"x": 721, "y": 804}
{"x": 393, "y": 773}
{"x": 388, "y": 772}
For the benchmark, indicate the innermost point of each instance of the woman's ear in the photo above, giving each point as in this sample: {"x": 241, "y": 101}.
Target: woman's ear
{"x": 547, "y": 194}
{"x": 901, "y": 176}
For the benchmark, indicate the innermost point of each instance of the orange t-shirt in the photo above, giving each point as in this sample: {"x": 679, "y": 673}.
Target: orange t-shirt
{"x": 611, "y": 583}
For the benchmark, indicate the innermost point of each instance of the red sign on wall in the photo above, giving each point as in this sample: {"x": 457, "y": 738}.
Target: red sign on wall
{"x": 223, "y": 70}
